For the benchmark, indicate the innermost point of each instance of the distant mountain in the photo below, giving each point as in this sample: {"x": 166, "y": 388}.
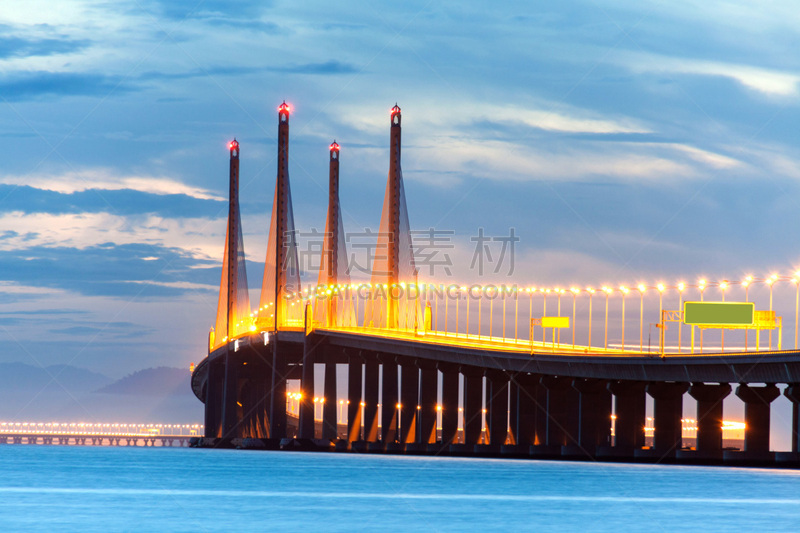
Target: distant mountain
{"x": 160, "y": 381}
{"x": 22, "y": 376}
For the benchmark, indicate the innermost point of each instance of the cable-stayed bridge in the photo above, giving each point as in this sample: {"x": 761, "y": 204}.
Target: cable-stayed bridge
{"x": 514, "y": 368}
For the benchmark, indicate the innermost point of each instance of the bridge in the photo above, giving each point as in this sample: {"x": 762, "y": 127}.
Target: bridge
{"x": 510, "y": 369}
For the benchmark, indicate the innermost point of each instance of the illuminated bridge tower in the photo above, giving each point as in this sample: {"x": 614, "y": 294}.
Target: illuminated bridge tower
{"x": 280, "y": 306}
{"x": 233, "y": 310}
{"x": 331, "y": 309}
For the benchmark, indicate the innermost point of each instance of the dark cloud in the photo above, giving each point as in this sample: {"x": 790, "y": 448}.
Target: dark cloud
{"x": 122, "y": 202}
{"x": 13, "y": 46}
{"x": 108, "y": 269}
{"x": 36, "y": 85}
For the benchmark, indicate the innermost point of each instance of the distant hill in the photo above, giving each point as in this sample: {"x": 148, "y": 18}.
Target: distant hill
{"x": 160, "y": 381}
{"x": 22, "y": 376}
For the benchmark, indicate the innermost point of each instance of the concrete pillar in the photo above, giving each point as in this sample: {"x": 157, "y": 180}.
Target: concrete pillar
{"x": 306, "y": 422}
{"x": 473, "y": 404}
{"x": 594, "y": 414}
{"x": 561, "y": 414}
{"x": 329, "y": 423}
{"x": 513, "y": 410}
{"x": 278, "y": 403}
{"x": 214, "y": 390}
{"x": 371, "y": 399}
{"x": 792, "y": 391}
{"x": 527, "y": 408}
{"x": 389, "y": 399}
{"x": 428, "y": 393}
{"x": 449, "y": 403}
{"x": 230, "y": 401}
{"x": 409, "y": 400}
{"x": 709, "y": 415}
{"x": 756, "y": 415}
{"x": 497, "y": 408}
{"x": 667, "y": 414}
{"x": 354, "y": 400}
{"x": 630, "y": 412}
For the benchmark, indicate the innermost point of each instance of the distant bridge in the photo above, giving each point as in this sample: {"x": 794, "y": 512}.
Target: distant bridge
{"x": 423, "y": 354}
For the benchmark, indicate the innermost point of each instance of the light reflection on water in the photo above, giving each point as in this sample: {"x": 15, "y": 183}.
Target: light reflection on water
{"x": 47, "y": 488}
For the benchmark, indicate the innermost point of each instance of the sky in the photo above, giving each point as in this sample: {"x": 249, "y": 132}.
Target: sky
{"x": 622, "y": 142}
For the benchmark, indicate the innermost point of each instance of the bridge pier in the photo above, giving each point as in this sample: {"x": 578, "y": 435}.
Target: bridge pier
{"x": 561, "y": 421}
{"x": 428, "y": 393}
{"x": 277, "y": 417}
{"x": 231, "y": 412}
{"x": 372, "y": 399}
{"x": 667, "y": 414}
{"x": 389, "y": 400}
{"x": 527, "y": 409}
{"x": 450, "y": 379}
{"x": 630, "y": 416}
{"x": 329, "y": 424}
{"x": 409, "y": 400}
{"x": 354, "y": 401}
{"x": 792, "y": 391}
{"x": 306, "y": 425}
{"x": 473, "y": 403}
{"x": 594, "y": 418}
{"x": 709, "y": 420}
{"x": 497, "y": 408}
{"x": 757, "y": 402}
{"x": 214, "y": 395}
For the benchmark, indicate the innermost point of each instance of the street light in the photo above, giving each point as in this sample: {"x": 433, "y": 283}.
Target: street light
{"x": 746, "y": 284}
{"x": 575, "y": 291}
{"x": 607, "y": 291}
{"x": 681, "y": 286}
{"x": 770, "y": 281}
{"x": 624, "y": 292}
{"x": 661, "y": 335}
{"x": 591, "y": 293}
{"x": 641, "y": 288}
{"x": 722, "y": 286}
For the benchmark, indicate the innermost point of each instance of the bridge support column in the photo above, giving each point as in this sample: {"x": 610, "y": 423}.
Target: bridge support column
{"x": 756, "y": 418}
{"x": 473, "y": 403}
{"x": 527, "y": 409}
{"x": 277, "y": 417}
{"x": 594, "y": 417}
{"x": 214, "y": 394}
{"x": 497, "y": 390}
{"x": 709, "y": 417}
{"x": 231, "y": 419}
{"x": 630, "y": 413}
{"x": 513, "y": 413}
{"x": 409, "y": 400}
{"x": 371, "y": 399}
{"x": 449, "y": 403}
{"x": 354, "y": 401}
{"x": 428, "y": 393}
{"x": 306, "y": 422}
{"x": 792, "y": 391}
{"x": 561, "y": 424}
{"x": 330, "y": 426}
{"x": 389, "y": 399}
{"x": 667, "y": 414}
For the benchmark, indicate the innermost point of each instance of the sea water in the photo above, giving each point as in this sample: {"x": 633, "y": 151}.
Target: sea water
{"x": 75, "y": 488}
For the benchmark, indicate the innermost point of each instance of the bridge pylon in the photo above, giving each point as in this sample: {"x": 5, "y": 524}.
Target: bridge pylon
{"x": 395, "y": 299}
{"x": 280, "y": 304}
{"x": 233, "y": 308}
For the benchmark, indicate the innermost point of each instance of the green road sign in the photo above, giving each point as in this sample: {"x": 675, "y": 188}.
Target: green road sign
{"x": 719, "y": 313}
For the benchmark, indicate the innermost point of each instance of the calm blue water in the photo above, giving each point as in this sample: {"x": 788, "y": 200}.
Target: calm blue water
{"x": 59, "y": 488}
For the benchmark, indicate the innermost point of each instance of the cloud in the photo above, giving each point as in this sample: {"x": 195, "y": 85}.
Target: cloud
{"x": 765, "y": 81}
{"x": 99, "y": 179}
{"x": 14, "y": 46}
{"x": 36, "y": 85}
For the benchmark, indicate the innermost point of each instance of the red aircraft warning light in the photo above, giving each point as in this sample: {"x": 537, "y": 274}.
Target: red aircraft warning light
{"x": 234, "y": 145}
{"x": 334, "y": 147}
{"x": 395, "y": 110}
{"x": 284, "y": 108}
